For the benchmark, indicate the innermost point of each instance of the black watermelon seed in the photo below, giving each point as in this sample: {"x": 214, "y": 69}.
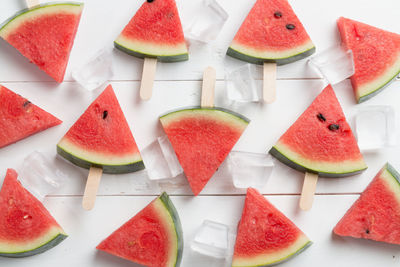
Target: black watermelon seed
{"x": 149, "y": 1}
{"x": 105, "y": 114}
{"x": 26, "y": 103}
{"x": 290, "y": 26}
{"x": 333, "y": 127}
{"x": 321, "y": 117}
{"x": 277, "y": 14}
{"x": 367, "y": 231}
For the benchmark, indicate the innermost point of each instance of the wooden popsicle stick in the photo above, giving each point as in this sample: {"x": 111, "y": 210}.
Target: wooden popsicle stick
{"x": 307, "y": 194}
{"x": 32, "y": 3}
{"x": 269, "y": 84}
{"x": 207, "y": 91}
{"x": 149, "y": 72}
{"x": 92, "y": 186}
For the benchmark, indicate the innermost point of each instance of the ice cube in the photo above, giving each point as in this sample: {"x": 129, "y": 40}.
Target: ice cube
{"x": 39, "y": 176}
{"x": 206, "y": 22}
{"x": 376, "y": 127}
{"x": 212, "y": 239}
{"x": 96, "y": 71}
{"x": 240, "y": 85}
{"x": 335, "y": 64}
{"x": 249, "y": 169}
{"x": 160, "y": 160}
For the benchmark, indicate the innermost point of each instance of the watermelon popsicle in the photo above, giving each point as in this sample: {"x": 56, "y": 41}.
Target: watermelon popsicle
{"x": 271, "y": 35}
{"x": 100, "y": 140}
{"x": 320, "y": 143}
{"x": 203, "y": 136}
{"x": 44, "y": 34}
{"x": 154, "y": 33}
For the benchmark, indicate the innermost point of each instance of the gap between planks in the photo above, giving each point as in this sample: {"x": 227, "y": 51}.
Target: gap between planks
{"x": 187, "y": 80}
{"x": 204, "y": 195}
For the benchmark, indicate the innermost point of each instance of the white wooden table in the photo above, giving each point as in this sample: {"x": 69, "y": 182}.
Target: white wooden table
{"x": 178, "y": 85}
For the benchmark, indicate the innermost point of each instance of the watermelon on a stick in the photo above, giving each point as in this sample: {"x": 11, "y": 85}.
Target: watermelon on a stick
{"x": 203, "y": 136}
{"x": 100, "y": 140}
{"x": 44, "y": 34}
{"x": 153, "y": 237}
{"x": 320, "y": 143}
{"x": 376, "y": 56}
{"x": 271, "y": 35}
{"x": 376, "y": 213}
{"x": 265, "y": 236}
{"x": 154, "y": 33}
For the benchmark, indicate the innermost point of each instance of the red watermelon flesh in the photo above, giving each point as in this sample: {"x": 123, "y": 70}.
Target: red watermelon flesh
{"x": 265, "y": 236}
{"x": 45, "y": 35}
{"x": 271, "y": 32}
{"x": 20, "y": 118}
{"x": 26, "y": 227}
{"x": 321, "y": 140}
{"x": 376, "y": 56}
{"x": 202, "y": 138}
{"x": 153, "y": 237}
{"x": 101, "y": 136}
{"x": 155, "y": 31}
{"x": 376, "y": 214}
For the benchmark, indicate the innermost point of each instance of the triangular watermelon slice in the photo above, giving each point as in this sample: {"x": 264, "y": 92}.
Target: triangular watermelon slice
{"x": 153, "y": 237}
{"x": 19, "y": 118}
{"x": 155, "y": 31}
{"x": 202, "y": 138}
{"x": 376, "y": 56}
{"x": 376, "y": 214}
{"x": 265, "y": 236}
{"x": 321, "y": 141}
{"x": 26, "y": 227}
{"x": 101, "y": 137}
{"x": 271, "y": 32}
{"x": 45, "y": 35}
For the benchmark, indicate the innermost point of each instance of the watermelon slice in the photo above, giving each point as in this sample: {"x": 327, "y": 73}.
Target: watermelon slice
{"x": 376, "y": 56}
{"x": 265, "y": 236}
{"x": 45, "y": 35}
{"x": 26, "y": 227}
{"x": 376, "y": 214}
{"x": 155, "y": 31}
{"x": 20, "y": 118}
{"x": 202, "y": 138}
{"x": 101, "y": 137}
{"x": 153, "y": 237}
{"x": 271, "y": 32}
{"x": 321, "y": 141}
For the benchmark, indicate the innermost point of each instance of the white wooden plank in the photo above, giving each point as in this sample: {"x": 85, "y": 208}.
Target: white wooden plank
{"x": 103, "y": 20}
{"x": 88, "y": 229}
{"x": 269, "y": 122}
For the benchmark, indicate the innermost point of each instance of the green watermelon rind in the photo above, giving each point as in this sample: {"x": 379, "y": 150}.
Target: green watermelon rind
{"x": 194, "y": 108}
{"x": 43, "y": 248}
{"x": 177, "y": 223}
{"x": 285, "y": 160}
{"x": 161, "y": 58}
{"x": 288, "y": 257}
{"x": 377, "y": 90}
{"x": 279, "y": 61}
{"x": 27, "y": 10}
{"x": 393, "y": 172}
{"x": 110, "y": 169}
